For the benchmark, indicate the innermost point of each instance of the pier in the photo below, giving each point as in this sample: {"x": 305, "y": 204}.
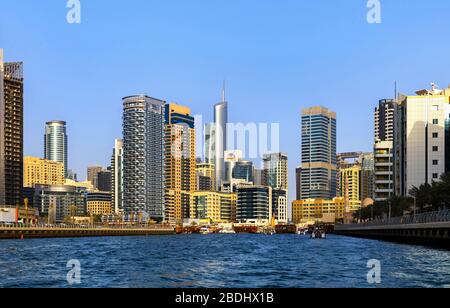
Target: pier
{"x": 432, "y": 229}
{"x": 30, "y": 232}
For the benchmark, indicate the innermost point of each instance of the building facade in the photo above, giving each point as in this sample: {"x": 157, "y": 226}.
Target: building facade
{"x": 367, "y": 176}
{"x": 59, "y": 202}
{"x": 92, "y": 175}
{"x": 319, "y": 169}
{"x": 254, "y": 204}
{"x": 143, "y": 187}
{"x": 423, "y": 144}
{"x": 215, "y": 207}
{"x": 275, "y": 171}
{"x": 117, "y": 176}
{"x": 318, "y": 210}
{"x": 98, "y": 203}
{"x": 280, "y": 206}
{"x": 179, "y": 162}
{"x": 206, "y": 177}
{"x": 220, "y": 136}
{"x": 350, "y": 187}
{"x": 104, "y": 180}
{"x": 11, "y": 132}
{"x": 42, "y": 171}
{"x": 56, "y": 143}
{"x": 385, "y": 118}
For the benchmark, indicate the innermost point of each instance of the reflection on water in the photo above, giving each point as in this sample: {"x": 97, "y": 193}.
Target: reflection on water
{"x": 236, "y": 261}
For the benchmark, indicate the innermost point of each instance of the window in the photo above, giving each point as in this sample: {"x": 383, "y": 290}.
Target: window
{"x": 435, "y": 108}
{"x": 435, "y": 135}
{"x": 435, "y": 121}
{"x": 435, "y": 162}
{"x": 435, "y": 176}
{"x": 435, "y": 149}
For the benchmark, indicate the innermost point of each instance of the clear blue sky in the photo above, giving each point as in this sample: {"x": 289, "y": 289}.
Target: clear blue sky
{"x": 277, "y": 57}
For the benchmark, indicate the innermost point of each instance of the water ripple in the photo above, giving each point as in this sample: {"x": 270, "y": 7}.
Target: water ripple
{"x": 220, "y": 261}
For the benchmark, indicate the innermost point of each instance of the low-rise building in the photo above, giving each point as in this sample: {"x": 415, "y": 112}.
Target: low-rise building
{"x": 318, "y": 210}
{"x": 99, "y": 203}
{"x": 254, "y": 203}
{"x": 59, "y": 202}
{"x": 217, "y": 207}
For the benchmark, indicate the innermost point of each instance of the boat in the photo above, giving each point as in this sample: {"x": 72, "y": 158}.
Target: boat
{"x": 286, "y": 229}
{"x": 246, "y": 229}
{"x": 205, "y": 231}
{"x": 318, "y": 233}
{"x": 227, "y": 231}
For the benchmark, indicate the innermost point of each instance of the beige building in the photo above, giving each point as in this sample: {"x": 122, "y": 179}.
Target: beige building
{"x": 208, "y": 171}
{"x": 216, "y": 207}
{"x": 86, "y": 184}
{"x": 42, "y": 171}
{"x": 99, "y": 203}
{"x": 350, "y": 187}
{"x": 328, "y": 211}
{"x": 179, "y": 162}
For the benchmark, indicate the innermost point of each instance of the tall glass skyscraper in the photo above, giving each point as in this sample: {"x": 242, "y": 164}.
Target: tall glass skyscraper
{"x": 220, "y": 132}
{"x": 55, "y": 143}
{"x": 319, "y": 157}
{"x": 143, "y": 156}
{"x": 275, "y": 172}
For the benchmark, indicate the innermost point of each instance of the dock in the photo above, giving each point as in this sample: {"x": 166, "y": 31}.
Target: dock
{"x": 15, "y": 232}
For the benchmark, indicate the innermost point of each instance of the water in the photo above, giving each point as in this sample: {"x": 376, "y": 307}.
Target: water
{"x": 236, "y": 261}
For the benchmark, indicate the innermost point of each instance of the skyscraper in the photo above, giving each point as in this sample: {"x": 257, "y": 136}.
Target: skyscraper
{"x": 275, "y": 172}
{"x": 92, "y": 175}
{"x": 298, "y": 180}
{"x": 350, "y": 187}
{"x": 11, "y": 132}
{"x": 104, "y": 179}
{"x": 220, "y": 133}
{"x": 319, "y": 170}
{"x": 275, "y": 175}
{"x": 210, "y": 144}
{"x": 55, "y": 143}
{"x": 143, "y": 120}
{"x": 179, "y": 162}
{"x": 367, "y": 175}
{"x": 384, "y": 186}
{"x": 117, "y": 176}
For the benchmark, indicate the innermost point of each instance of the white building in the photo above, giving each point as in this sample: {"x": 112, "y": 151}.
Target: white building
{"x": 426, "y": 120}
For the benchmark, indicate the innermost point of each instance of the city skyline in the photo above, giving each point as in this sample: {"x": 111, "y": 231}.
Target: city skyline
{"x": 304, "y": 74}
{"x": 241, "y": 145}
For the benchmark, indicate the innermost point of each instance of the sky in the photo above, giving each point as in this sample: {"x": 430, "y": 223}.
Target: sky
{"x": 277, "y": 56}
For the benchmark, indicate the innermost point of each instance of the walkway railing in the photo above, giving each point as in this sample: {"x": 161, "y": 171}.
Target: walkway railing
{"x": 63, "y": 226}
{"x": 424, "y": 218}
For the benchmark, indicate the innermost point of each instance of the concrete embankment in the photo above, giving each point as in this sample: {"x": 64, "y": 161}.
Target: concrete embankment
{"x": 29, "y": 233}
{"x": 431, "y": 234}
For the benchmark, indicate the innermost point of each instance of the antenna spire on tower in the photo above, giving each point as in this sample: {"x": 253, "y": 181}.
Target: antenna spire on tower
{"x": 223, "y": 91}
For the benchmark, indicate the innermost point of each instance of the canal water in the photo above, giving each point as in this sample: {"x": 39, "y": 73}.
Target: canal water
{"x": 230, "y": 261}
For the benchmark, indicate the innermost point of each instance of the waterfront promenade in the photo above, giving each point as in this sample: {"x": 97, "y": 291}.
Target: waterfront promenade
{"x": 424, "y": 229}
{"x": 27, "y": 232}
